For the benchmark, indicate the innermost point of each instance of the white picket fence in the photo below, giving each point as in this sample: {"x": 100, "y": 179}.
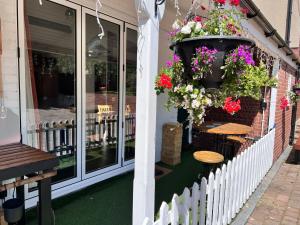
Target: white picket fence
{"x": 218, "y": 200}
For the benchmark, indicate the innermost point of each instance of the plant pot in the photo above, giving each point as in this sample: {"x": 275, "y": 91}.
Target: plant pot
{"x": 224, "y": 44}
{"x": 13, "y": 210}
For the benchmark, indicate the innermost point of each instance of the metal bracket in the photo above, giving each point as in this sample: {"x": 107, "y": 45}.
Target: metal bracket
{"x": 158, "y": 3}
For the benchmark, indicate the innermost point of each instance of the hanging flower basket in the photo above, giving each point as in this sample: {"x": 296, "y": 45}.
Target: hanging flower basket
{"x": 212, "y": 64}
{"x": 223, "y": 45}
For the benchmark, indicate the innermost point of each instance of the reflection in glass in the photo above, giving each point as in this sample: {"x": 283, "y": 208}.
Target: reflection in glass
{"x": 102, "y": 96}
{"x": 130, "y": 101}
{"x": 51, "y": 82}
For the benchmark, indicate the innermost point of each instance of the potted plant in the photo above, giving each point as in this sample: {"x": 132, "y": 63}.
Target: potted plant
{"x": 221, "y": 32}
{"x": 208, "y": 70}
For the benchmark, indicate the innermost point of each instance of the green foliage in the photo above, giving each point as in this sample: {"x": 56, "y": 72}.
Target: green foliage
{"x": 248, "y": 83}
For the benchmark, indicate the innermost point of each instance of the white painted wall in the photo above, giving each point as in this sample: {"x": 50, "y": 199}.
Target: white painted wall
{"x": 9, "y": 127}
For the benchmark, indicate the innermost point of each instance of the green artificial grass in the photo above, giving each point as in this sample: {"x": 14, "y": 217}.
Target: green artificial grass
{"x": 110, "y": 202}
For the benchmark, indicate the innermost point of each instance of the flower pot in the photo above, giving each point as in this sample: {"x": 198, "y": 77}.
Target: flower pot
{"x": 224, "y": 44}
{"x": 13, "y": 210}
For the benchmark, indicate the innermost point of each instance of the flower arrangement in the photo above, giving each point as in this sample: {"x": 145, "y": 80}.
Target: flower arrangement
{"x": 202, "y": 62}
{"x": 284, "y": 103}
{"x": 231, "y": 106}
{"x": 220, "y": 21}
{"x": 186, "y": 76}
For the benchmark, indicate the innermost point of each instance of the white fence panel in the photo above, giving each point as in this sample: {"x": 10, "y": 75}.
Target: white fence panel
{"x": 218, "y": 200}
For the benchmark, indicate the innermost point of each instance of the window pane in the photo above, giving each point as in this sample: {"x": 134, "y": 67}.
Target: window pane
{"x": 51, "y": 82}
{"x": 130, "y": 101}
{"x": 102, "y": 94}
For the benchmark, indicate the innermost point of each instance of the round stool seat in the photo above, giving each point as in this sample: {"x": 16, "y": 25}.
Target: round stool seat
{"x": 208, "y": 157}
{"x": 237, "y": 139}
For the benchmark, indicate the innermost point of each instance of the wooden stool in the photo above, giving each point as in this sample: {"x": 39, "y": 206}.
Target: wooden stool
{"x": 209, "y": 159}
{"x": 235, "y": 140}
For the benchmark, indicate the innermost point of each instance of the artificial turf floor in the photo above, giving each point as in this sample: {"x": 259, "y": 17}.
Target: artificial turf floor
{"x": 110, "y": 202}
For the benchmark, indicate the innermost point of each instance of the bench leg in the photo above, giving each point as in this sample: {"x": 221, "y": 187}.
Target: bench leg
{"x": 45, "y": 209}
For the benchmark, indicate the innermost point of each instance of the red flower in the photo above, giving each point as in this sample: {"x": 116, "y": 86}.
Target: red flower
{"x": 235, "y": 2}
{"x": 232, "y": 106}
{"x": 197, "y": 19}
{"x": 245, "y": 11}
{"x": 164, "y": 81}
{"x": 284, "y": 103}
{"x": 221, "y": 2}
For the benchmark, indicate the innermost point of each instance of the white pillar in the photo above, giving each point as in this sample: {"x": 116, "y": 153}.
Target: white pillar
{"x": 147, "y": 69}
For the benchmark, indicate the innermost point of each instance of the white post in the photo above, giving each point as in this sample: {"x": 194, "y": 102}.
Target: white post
{"x": 147, "y": 68}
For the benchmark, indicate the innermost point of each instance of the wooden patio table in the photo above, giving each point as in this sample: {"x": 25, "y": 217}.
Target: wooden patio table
{"x": 20, "y": 161}
{"x": 223, "y": 129}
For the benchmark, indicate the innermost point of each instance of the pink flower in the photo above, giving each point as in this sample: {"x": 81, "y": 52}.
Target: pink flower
{"x": 221, "y": 2}
{"x": 203, "y": 7}
{"x": 284, "y": 103}
{"x": 245, "y": 11}
{"x": 164, "y": 81}
{"x": 235, "y": 2}
{"x": 231, "y": 106}
{"x": 197, "y": 19}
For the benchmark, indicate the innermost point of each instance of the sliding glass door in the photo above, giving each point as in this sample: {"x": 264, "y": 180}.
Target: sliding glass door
{"x": 78, "y": 92}
{"x": 102, "y": 94}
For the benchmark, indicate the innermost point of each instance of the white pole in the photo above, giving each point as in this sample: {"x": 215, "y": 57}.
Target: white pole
{"x": 147, "y": 68}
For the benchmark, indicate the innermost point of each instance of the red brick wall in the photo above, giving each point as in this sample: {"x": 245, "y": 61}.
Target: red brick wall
{"x": 283, "y": 117}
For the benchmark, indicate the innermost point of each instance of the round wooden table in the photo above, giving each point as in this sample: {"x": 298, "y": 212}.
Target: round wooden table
{"x": 224, "y": 128}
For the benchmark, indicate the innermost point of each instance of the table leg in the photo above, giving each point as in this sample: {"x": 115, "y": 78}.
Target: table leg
{"x": 21, "y": 195}
{"x": 45, "y": 209}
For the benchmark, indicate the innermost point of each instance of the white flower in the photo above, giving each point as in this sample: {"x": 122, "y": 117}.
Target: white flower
{"x": 198, "y": 27}
{"x": 189, "y": 88}
{"x": 209, "y": 102}
{"x": 195, "y": 104}
{"x": 176, "y": 25}
{"x": 202, "y": 90}
{"x": 186, "y": 30}
{"x": 176, "y": 89}
{"x": 191, "y": 24}
{"x": 193, "y": 96}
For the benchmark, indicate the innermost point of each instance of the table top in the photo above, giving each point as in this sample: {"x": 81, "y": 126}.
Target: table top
{"x": 224, "y": 128}
{"x": 18, "y": 160}
{"x": 208, "y": 157}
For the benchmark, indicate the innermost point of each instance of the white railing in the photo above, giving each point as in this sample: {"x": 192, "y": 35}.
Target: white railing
{"x": 218, "y": 200}
{"x": 60, "y": 136}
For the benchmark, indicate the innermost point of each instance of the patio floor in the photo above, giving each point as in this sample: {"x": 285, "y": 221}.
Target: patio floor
{"x": 110, "y": 202}
{"x": 280, "y": 204}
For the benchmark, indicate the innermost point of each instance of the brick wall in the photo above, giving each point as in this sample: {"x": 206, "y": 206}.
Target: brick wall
{"x": 283, "y": 117}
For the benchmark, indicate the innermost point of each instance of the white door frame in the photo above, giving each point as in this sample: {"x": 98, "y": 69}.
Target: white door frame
{"x": 132, "y": 27}
{"x": 23, "y": 52}
{"x": 121, "y": 81}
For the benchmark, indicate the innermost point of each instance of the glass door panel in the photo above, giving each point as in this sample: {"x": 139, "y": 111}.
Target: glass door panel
{"x": 102, "y": 98}
{"x": 130, "y": 92}
{"x": 50, "y": 76}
